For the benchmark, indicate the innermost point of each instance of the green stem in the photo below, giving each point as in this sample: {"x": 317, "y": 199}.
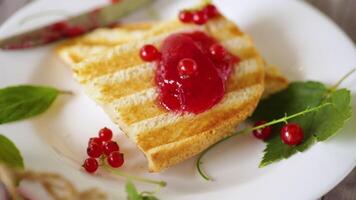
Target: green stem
{"x": 135, "y": 178}
{"x": 337, "y": 84}
{"x": 248, "y": 130}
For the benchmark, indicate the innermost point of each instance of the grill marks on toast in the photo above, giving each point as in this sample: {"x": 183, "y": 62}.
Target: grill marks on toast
{"x": 134, "y": 113}
{"x": 126, "y": 60}
{"x": 125, "y": 82}
{"x": 166, "y": 155}
{"x": 116, "y": 89}
{"x": 126, "y": 56}
{"x": 124, "y": 86}
{"x": 189, "y": 125}
{"x": 246, "y": 74}
{"x": 119, "y": 58}
{"x": 139, "y": 79}
{"x": 76, "y": 53}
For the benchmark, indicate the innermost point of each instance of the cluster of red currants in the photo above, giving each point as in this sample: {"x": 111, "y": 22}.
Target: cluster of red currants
{"x": 291, "y": 133}
{"x": 103, "y": 146}
{"x": 199, "y": 17}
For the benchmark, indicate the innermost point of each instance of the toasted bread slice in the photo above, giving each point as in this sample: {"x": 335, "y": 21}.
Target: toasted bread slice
{"x": 274, "y": 81}
{"x": 124, "y": 86}
{"x": 76, "y": 50}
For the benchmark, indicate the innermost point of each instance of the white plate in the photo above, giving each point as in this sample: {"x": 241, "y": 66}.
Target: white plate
{"x": 290, "y": 34}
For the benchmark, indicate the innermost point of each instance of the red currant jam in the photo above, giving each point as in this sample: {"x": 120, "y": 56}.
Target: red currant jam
{"x": 189, "y": 79}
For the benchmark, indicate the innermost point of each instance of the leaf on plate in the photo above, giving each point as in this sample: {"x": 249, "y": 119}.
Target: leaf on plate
{"x": 133, "y": 194}
{"x": 21, "y": 102}
{"x": 317, "y": 126}
{"x": 9, "y": 154}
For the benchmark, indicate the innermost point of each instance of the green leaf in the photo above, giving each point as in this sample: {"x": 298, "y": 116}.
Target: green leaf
{"x": 332, "y": 118}
{"x": 132, "y": 193}
{"x": 9, "y": 154}
{"x": 317, "y": 126}
{"x": 21, "y": 102}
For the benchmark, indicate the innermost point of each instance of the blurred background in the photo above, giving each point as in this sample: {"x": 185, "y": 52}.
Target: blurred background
{"x": 342, "y": 12}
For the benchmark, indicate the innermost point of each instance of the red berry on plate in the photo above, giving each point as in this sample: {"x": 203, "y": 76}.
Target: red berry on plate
{"x": 149, "y": 53}
{"x": 95, "y": 140}
{"x": 105, "y": 134}
{"x": 110, "y": 146}
{"x": 217, "y": 51}
{"x": 185, "y": 16}
{"x": 90, "y": 165}
{"x": 187, "y": 67}
{"x": 262, "y": 133}
{"x": 211, "y": 11}
{"x": 292, "y": 134}
{"x": 200, "y": 18}
{"x": 115, "y": 159}
{"x": 95, "y": 150}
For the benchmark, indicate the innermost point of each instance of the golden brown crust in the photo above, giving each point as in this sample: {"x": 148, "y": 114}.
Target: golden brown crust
{"x": 274, "y": 80}
{"x": 173, "y": 153}
{"x": 120, "y": 82}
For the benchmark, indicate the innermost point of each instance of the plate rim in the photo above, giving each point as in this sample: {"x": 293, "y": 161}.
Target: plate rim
{"x": 34, "y": 3}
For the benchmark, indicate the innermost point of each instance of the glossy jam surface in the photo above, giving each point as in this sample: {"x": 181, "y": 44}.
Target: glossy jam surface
{"x": 198, "y": 91}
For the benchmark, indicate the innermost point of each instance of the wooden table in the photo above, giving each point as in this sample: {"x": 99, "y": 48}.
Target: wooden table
{"x": 343, "y": 12}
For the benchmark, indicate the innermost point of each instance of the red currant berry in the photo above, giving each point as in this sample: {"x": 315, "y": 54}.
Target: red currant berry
{"x": 263, "y": 133}
{"x": 95, "y": 150}
{"x": 217, "y": 51}
{"x": 200, "y": 18}
{"x": 105, "y": 134}
{"x": 115, "y": 159}
{"x": 187, "y": 67}
{"x": 95, "y": 140}
{"x": 149, "y": 53}
{"x": 211, "y": 11}
{"x": 185, "y": 16}
{"x": 110, "y": 146}
{"x": 90, "y": 165}
{"x": 292, "y": 134}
